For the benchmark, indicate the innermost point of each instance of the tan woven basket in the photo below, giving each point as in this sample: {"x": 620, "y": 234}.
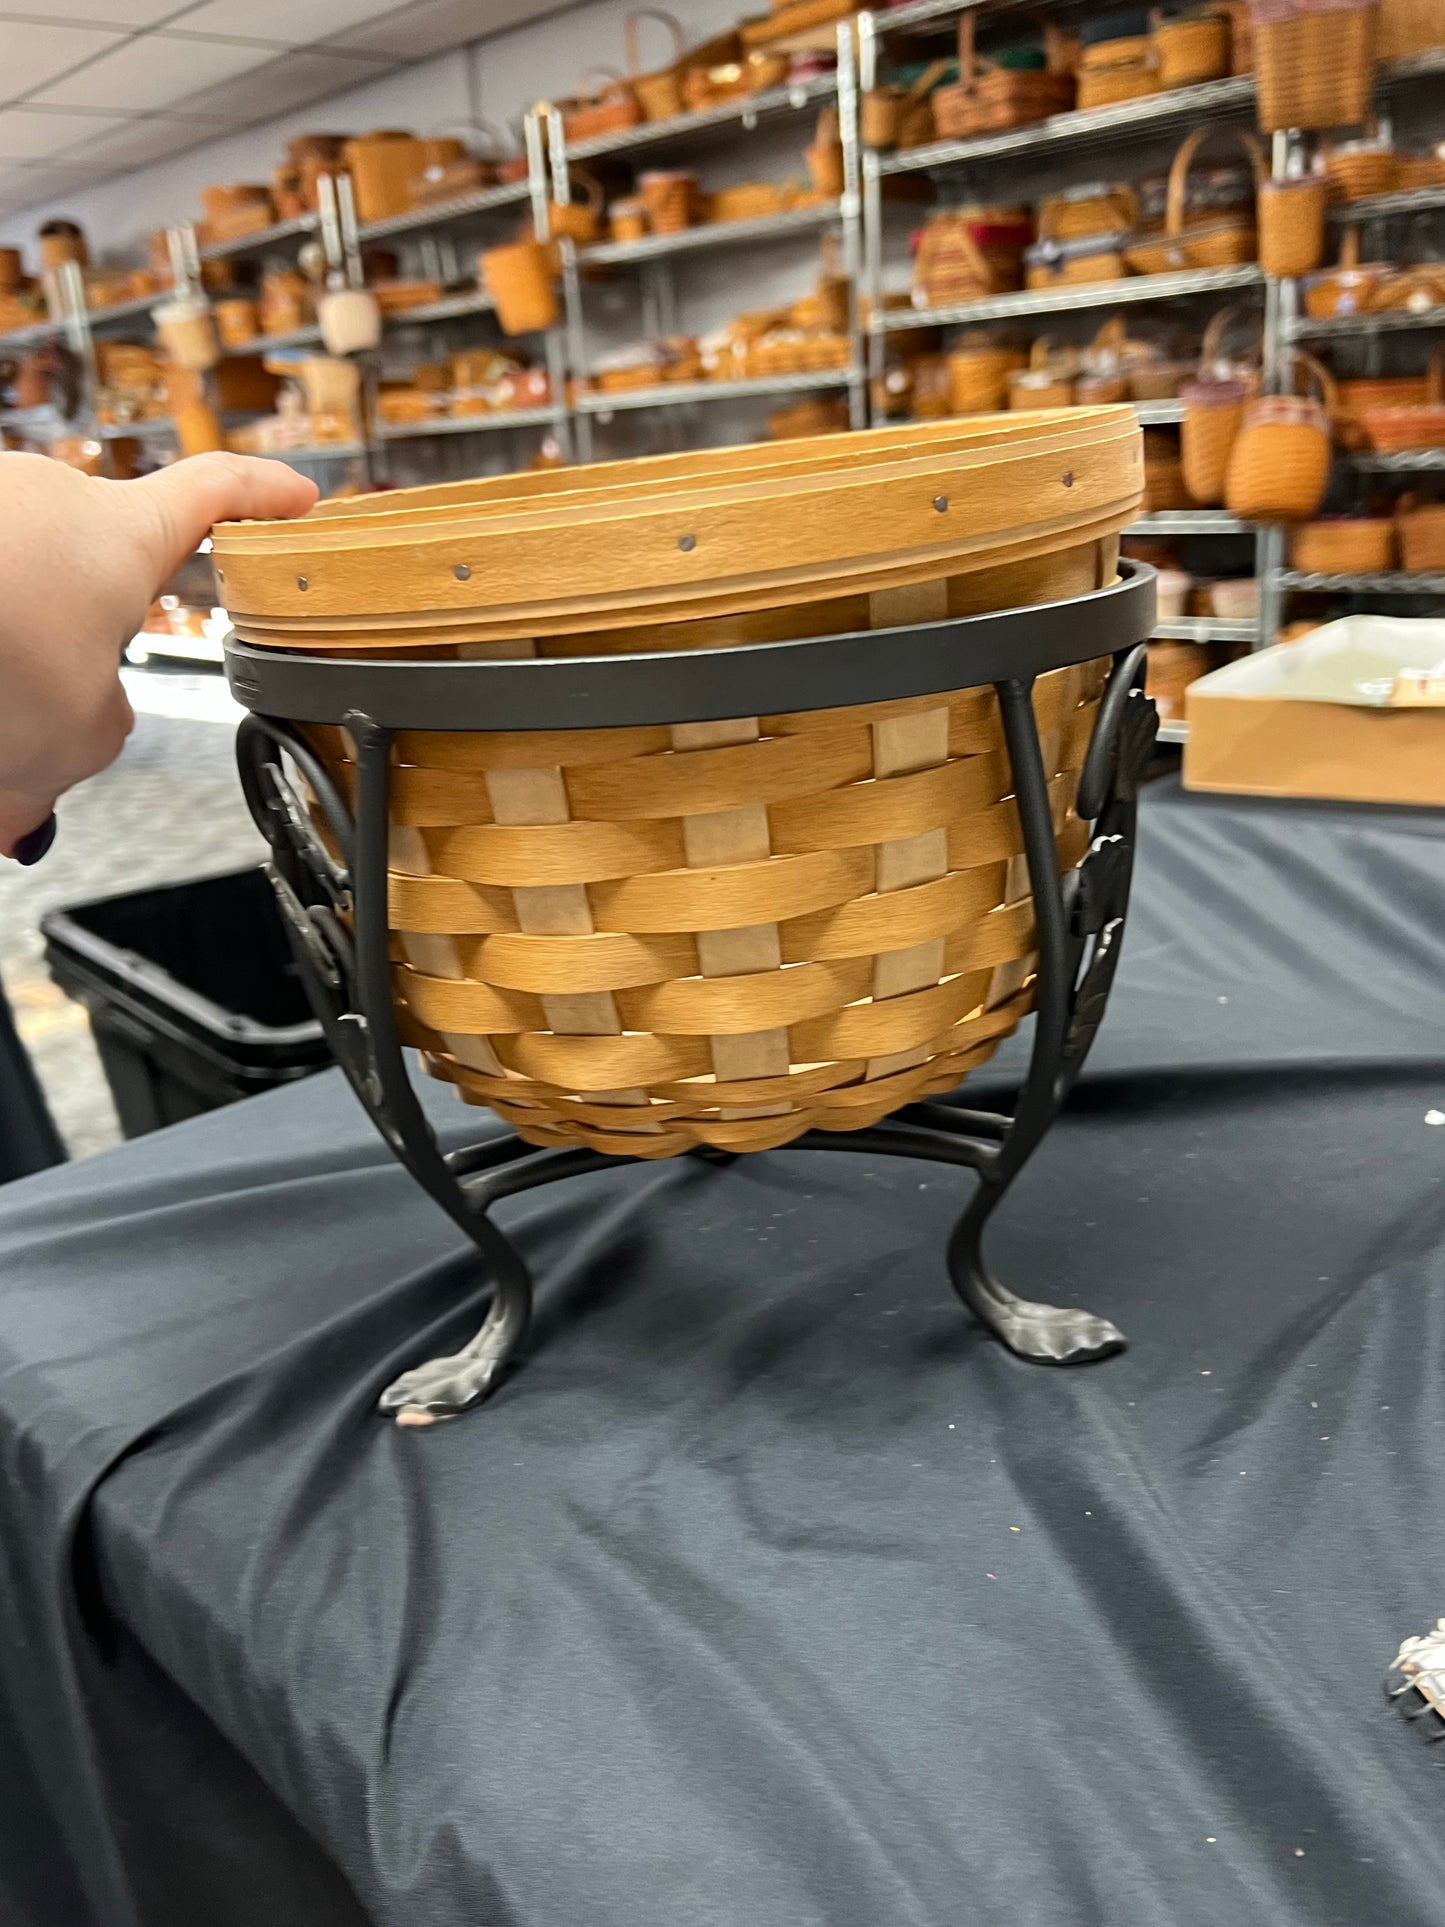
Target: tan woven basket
{"x": 1344, "y": 545}
{"x": 1315, "y": 60}
{"x": 1292, "y": 225}
{"x": 978, "y": 372}
{"x": 726, "y": 933}
{"x": 1213, "y": 411}
{"x": 1279, "y": 467}
{"x": 1420, "y": 530}
{"x": 1191, "y": 49}
{"x": 659, "y": 93}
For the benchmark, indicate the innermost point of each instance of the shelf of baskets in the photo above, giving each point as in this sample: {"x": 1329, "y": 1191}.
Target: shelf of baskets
{"x": 1157, "y": 114}
{"x": 1338, "y": 327}
{"x": 751, "y": 111}
{"x": 714, "y": 234}
{"x": 1190, "y": 522}
{"x": 1206, "y": 629}
{"x": 1066, "y": 300}
{"x": 497, "y": 418}
{"x": 1391, "y": 582}
{"x": 1377, "y": 207}
{"x": 679, "y": 394}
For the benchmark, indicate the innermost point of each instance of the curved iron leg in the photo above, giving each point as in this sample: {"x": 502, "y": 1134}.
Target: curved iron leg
{"x": 442, "y": 1387}
{"x": 1066, "y": 1014}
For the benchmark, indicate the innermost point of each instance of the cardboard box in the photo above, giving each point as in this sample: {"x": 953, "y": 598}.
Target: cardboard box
{"x": 1354, "y": 711}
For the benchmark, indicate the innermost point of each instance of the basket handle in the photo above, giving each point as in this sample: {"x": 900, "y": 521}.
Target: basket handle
{"x": 1350, "y": 247}
{"x": 1113, "y": 336}
{"x": 927, "y": 80}
{"x": 971, "y": 66}
{"x": 1329, "y": 393}
{"x": 609, "y": 79}
{"x": 1179, "y": 171}
{"x": 590, "y": 185}
{"x": 632, "y": 39}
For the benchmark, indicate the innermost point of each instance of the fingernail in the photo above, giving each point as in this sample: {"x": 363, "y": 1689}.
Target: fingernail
{"x": 34, "y": 844}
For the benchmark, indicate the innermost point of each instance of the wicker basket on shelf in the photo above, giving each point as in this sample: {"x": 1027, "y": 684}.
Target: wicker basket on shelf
{"x": 644, "y": 939}
{"x": 1315, "y": 60}
{"x": 1344, "y": 545}
{"x": 1279, "y": 467}
{"x": 1357, "y": 169}
{"x": 989, "y": 99}
{"x": 1420, "y": 531}
{"x": 1163, "y": 472}
{"x": 1221, "y": 238}
{"x": 1418, "y": 423}
{"x": 1213, "y": 412}
{"x": 658, "y": 92}
{"x": 1113, "y": 71}
{"x": 894, "y": 116}
{"x": 978, "y": 372}
{"x": 605, "y": 103}
{"x": 1190, "y": 48}
{"x": 1291, "y": 215}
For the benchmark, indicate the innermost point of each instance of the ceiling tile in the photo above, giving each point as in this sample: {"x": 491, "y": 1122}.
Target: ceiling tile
{"x": 31, "y": 54}
{"x": 292, "y": 81}
{"x": 151, "y": 72}
{"x": 296, "y": 23}
{"x": 129, "y": 14}
{"x": 412, "y": 32}
{"x": 135, "y": 143}
{"x": 46, "y": 183}
{"x": 31, "y": 134}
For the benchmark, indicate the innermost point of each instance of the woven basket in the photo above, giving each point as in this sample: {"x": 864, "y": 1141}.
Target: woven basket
{"x": 989, "y": 99}
{"x": 1344, "y": 545}
{"x": 1291, "y": 225}
{"x": 1361, "y": 168}
{"x": 1315, "y": 60}
{"x": 1350, "y": 288}
{"x": 969, "y": 253}
{"x": 1191, "y": 49}
{"x": 1420, "y": 530}
{"x": 668, "y": 197}
{"x": 1390, "y": 429}
{"x": 1279, "y": 467}
{"x": 659, "y": 93}
{"x": 1223, "y": 238}
{"x": 1112, "y": 71}
{"x": 978, "y": 372}
{"x": 1409, "y": 27}
{"x": 646, "y": 939}
{"x": 1163, "y": 472}
{"x": 1047, "y": 381}
{"x": 1081, "y": 212}
{"x": 518, "y": 277}
{"x": 605, "y": 103}
{"x": 1213, "y": 411}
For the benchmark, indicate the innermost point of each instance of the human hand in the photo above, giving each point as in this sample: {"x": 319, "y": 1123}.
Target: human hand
{"x": 81, "y": 560}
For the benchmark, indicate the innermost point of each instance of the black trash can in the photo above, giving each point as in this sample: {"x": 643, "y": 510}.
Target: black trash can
{"x": 193, "y": 998}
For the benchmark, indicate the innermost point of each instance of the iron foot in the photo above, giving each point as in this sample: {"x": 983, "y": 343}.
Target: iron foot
{"x": 1043, "y": 1334}
{"x": 442, "y": 1387}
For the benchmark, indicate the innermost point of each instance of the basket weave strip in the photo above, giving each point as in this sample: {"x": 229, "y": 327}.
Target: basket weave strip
{"x": 661, "y": 938}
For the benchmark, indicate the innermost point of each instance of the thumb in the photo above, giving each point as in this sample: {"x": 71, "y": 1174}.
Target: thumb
{"x": 179, "y": 505}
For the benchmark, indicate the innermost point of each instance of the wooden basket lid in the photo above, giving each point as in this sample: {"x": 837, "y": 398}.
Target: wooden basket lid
{"x": 673, "y": 537}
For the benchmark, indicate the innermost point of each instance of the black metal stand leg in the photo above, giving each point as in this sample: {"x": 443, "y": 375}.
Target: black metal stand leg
{"x": 1043, "y": 1334}
{"x": 442, "y": 1387}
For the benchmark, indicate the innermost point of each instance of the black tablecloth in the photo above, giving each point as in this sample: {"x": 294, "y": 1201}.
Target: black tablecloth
{"x": 769, "y": 1592}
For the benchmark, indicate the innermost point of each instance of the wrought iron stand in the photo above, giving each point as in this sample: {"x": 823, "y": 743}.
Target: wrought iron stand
{"x": 336, "y": 907}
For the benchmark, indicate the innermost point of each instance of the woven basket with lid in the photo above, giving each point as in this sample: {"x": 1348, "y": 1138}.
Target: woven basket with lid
{"x": 727, "y": 933}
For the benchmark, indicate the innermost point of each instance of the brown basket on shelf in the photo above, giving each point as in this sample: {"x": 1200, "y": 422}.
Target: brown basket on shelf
{"x": 1416, "y": 290}
{"x": 644, "y": 939}
{"x": 1421, "y": 170}
{"x": 969, "y": 253}
{"x": 1113, "y": 71}
{"x": 519, "y": 278}
{"x": 893, "y": 116}
{"x": 1173, "y": 666}
{"x": 1418, "y": 424}
{"x": 1357, "y": 169}
{"x": 824, "y": 156}
{"x": 1344, "y": 545}
{"x": 1279, "y": 467}
{"x": 1241, "y": 35}
{"x": 659, "y": 92}
{"x": 1420, "y": 531}
{"x": 383, "y": 167}
{"x": 1079, "y": 213}
{"x": 1356, "y": 398}
{"x": 627, "y": 219}
{"x": 978, "y": 372}
{"x": 1163, "y": 472}
{"x": 989, "y": 99}
{"x": 1213, "y": 412}
{"x": 1291, "y": 215}
{"x": 1190, "y": 48}
{"x": 1351, "y": 287}
{"x": 813, "y": 416}
{"x": 723, "y": 81}
{"x": 1218, "y": 238}
{"x": 1047, "y": 381}
{"x": 1315, "y": 60}
{"x": 578, "y": 221}
{"x": 605, "y": 103}
{"x": 1409, "y": 27}
{"x": 1094, "y": 257}
{"x": 751, "y": 200}
{"x": 668, "y": 195}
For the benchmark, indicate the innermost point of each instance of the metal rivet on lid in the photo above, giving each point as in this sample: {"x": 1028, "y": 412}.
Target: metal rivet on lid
{"x": 687, "y": 542}
{"x": 302, "y": 583}
{"x": 1069, "y": 479}
{"x": 940, "y": 502}
{"x": 462, "y": 572}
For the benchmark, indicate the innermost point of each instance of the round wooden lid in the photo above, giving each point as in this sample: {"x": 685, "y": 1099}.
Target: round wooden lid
{"x": 677, "y": 537}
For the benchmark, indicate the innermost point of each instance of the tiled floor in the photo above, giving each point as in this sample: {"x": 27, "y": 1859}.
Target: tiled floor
{"x": 170, "y": 809}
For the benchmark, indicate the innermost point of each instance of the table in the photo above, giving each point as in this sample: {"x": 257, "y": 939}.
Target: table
{"x": 770, "y": 1592}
